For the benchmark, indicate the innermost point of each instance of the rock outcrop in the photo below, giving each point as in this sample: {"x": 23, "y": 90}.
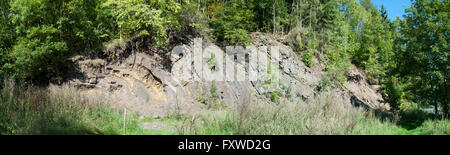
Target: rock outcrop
{"x": 148, "y": 80}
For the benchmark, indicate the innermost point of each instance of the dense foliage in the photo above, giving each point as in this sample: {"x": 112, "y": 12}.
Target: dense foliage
{"x": 423, "y": 51}
{"x": 39, "y": 35}
{"x": 408, "y": 57}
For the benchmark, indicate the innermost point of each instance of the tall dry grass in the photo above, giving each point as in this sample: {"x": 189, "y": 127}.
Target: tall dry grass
{"x": 58, "y": 110}
{"x": 324, "y": 115}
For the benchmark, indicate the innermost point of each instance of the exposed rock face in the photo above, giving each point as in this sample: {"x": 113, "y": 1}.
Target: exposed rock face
{"x": 149, "y": 80}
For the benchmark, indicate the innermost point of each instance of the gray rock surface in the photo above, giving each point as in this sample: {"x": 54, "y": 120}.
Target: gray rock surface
{"x": 149, "y": 80}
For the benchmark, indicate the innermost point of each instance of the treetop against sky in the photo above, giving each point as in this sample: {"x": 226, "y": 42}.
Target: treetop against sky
{"x": 394, "y": 7}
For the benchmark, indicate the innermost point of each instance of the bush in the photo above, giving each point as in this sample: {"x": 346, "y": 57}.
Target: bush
{"x": 192, "y": 21}
{"x": 237, "y": 36}
{"x": 212, "y": 100}
{"x": 37, "y": 57}
{"x": 212, "y": 62}
{"x": 231, "y": 21}
{"x": 133, "y": 16}
{"x": 47, "y": 33}
{"x": 394, "y": 92}
{"x": 309, "y": 54}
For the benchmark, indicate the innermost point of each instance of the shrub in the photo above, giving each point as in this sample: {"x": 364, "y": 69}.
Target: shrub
{"x": 212, "y": 62}
{"x": 47, "y": 33}
{"x": 212, "y": 100}
{"x": 231, "y": 21}
{"x": 308, "y": 55}
{"x": 133, "y": 16}
{"x": 192, "y": 21}
{"x": 37, "y": 57}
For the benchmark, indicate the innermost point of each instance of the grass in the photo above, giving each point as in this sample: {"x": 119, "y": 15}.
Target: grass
{"x": 64, "y": 110}
{"x": 433, "y": 127}
{"x": 169, "y": 130}
{"x": 325, "y": 115}
{"x": 59, "y": 110}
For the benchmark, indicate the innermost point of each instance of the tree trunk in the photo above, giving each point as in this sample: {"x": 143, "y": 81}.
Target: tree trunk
{"x": 444, "y": 103}
{"x": 445, "y": 109}
{"x": 274, "y": 16}
{"x": 436, "y": 113}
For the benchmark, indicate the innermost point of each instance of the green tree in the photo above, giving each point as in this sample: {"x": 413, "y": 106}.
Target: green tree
{"x": 383, "y": 13}
{"x": 368, "y": 5}
{"x": 48, "y": 32}
{"x": 231, "y": 21}
{"x": 376, "y": 44}
{"x": 134, "y": 17}
{"x": 273, "y": 15}
{"x": 7, "y": 36}
{"x": 424, "y": 52}
{"x": 39, "y": 46}
{"x": 341, "y": 42}
{"x": 6, "y": 32}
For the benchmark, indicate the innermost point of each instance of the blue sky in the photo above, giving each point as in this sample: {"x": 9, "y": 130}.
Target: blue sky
{"x": 394, "y": 7}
